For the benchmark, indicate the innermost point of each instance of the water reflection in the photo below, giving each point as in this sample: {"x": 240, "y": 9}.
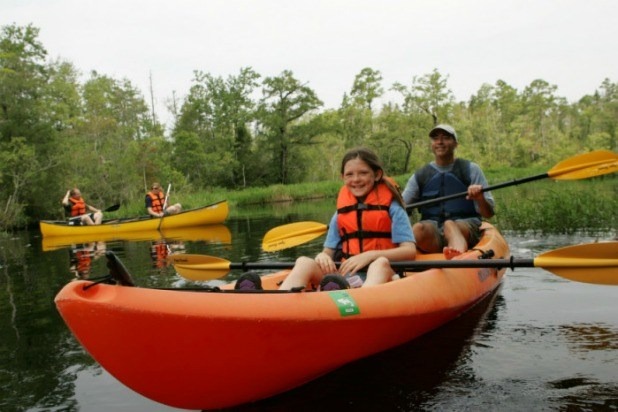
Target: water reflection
{"x": 81, "y": 257}
{"x": 404, "y": 378}
{"x": 161, "y": 249}
{"x": 162, "y": 243}
{"x": 545, "y": 344}
{"x": 205, "y": 233}
{"x": 583, "y": 338}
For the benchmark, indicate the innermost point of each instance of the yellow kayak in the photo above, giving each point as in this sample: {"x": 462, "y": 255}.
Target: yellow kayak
{"x": 217, "y": 233}
{"x": 207, "y": 215}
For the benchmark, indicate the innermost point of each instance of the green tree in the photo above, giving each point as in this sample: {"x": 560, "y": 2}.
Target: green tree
{"x": 29, "y": 122}
{"x": 217, "y": 111}
{"x": 356, "y": 109}
{"x": 428, "y": 94}
{"x": 284, "y": 103}
{"x": 427, "y": 102}
{"x": 367, "y": 87}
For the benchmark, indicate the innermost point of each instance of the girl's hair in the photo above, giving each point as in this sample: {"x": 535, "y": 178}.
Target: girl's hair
{"x": 368, "y": 156}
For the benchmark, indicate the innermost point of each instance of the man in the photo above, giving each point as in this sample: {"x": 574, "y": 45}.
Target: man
{"x": 77, "y": 208}
{"x": 452, "y": 226}
{"x": 155, "y": 202}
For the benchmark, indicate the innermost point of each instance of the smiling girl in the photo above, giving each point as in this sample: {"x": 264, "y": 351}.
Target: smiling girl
{"x": 369, "y": 229}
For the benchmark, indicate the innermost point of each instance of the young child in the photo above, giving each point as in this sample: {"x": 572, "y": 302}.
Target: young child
{"x": 383, "y": 235}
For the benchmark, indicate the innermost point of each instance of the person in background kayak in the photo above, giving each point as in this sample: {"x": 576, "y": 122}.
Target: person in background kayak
{"x": 78, "y": 209}
{"x": 155, "y": 200}
{"x": 453, "y": 226}
{"x": 369, "y": 230}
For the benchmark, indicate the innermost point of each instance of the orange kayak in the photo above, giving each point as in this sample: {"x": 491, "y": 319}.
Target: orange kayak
{"x": 216, "y": 349}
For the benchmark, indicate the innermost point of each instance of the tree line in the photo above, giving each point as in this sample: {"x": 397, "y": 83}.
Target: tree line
{"x": 247, "y": 130}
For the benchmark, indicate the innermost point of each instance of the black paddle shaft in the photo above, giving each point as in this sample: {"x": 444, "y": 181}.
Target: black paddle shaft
{"x": 408, "y": 265}
{"x": 485, "y": 189}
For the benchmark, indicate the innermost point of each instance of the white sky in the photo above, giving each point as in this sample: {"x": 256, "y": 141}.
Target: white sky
{"x": 568, "y": 43}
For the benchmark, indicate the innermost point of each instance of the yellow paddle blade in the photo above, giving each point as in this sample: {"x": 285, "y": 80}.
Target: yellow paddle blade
{"x": 293, "y": 234}
{"x": 199, "y": 273}
{"x": 597, "y": 163}
{"x": 199, "y": 267}
{"x": 589, "y": 263}
{"x": 189, "y": 259}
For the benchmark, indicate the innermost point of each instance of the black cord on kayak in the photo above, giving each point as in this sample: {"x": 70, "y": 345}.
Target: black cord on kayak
{"x": 485, "y": 254}
{"x": 103, "y": 279}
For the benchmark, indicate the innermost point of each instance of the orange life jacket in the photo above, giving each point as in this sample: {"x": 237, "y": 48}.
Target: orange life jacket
{"x": 84, "y": 261}
{"x": 157, "y": 201}
{"x": 78, "y": 206}
{"x": 365, "y": 226}
{"x": 159, "y": 253}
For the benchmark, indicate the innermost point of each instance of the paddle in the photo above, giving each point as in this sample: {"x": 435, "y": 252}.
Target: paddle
{"x": 292, "y": 234}
{"x": 591, "y": 164}
{"x": 595, "y": 263}
{"x": 112, "y": 208}
{"x": 596, "y": 163}
{"x": 169, "y": 187}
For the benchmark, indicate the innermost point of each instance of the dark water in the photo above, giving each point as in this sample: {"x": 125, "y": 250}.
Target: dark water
{"x": 540, "y": 343}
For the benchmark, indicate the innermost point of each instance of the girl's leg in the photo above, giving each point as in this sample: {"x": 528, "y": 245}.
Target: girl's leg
{"x": 379, "y": 272}
{"x": 305, "y": 271}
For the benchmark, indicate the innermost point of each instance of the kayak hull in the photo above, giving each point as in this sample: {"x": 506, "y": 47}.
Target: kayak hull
{"x": 205, "y": 350}
{"x": 216, "y": 233}
{"x": 207, "y": 215}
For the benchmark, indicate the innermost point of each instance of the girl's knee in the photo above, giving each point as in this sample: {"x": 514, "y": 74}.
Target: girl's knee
{"x": 380, "y": 263}
{"x": 304, "y": 260}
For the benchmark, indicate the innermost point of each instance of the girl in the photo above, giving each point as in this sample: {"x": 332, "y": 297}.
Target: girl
{"x": 369, "y": 229}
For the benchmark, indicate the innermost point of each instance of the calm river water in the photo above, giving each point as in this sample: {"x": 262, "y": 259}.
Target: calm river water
{"x": 540, "y": 343}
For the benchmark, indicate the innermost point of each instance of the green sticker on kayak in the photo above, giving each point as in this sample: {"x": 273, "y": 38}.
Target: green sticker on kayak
{"x": 346, "y": 305}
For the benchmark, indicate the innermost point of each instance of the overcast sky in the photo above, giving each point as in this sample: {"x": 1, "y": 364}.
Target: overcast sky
{"x": 568, "y": 43}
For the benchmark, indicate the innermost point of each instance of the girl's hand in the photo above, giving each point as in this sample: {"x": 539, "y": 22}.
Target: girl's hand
{"x": 325, "y": 263}
{"x": 356, "y": 263}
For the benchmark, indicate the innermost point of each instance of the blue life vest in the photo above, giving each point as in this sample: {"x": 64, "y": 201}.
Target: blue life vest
{"x": 434, "y": 184}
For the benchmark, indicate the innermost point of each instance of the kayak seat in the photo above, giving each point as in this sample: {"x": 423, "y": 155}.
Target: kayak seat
{"x": 249, "y": 281}
{"x": 334, "y": 282}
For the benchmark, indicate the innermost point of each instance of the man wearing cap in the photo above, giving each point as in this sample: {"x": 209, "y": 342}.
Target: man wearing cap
{"x": 452, "y": 226}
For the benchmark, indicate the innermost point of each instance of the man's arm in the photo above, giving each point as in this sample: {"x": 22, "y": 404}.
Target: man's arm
{"x": 484, "y": 200}
{"x": 65, "y": 200}
{"x": 411, "y": 192}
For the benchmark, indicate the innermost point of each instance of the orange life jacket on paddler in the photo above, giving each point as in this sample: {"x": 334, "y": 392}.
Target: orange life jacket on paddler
{"x": 364, "y": 226}
{"x": 157, "y": 200}
{"x": 78, "y": 206}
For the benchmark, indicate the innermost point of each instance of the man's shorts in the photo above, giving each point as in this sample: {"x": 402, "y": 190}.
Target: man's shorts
{"x": 473, "y": 224}
{"x": 77, "y": 220}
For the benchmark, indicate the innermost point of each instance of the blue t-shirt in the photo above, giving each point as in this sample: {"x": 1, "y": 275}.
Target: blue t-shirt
{"x": 401, "y": 231}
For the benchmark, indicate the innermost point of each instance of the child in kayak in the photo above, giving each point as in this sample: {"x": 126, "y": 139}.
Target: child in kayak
{"x": 369, "y": 230}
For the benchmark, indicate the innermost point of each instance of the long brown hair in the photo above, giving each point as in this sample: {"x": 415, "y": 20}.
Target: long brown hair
{"x": 371, "y": 158}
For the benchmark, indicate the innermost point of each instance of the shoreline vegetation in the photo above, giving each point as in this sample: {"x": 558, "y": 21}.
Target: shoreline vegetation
{"x": 263, "y": 140}
{"x": 545, "y": 206}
